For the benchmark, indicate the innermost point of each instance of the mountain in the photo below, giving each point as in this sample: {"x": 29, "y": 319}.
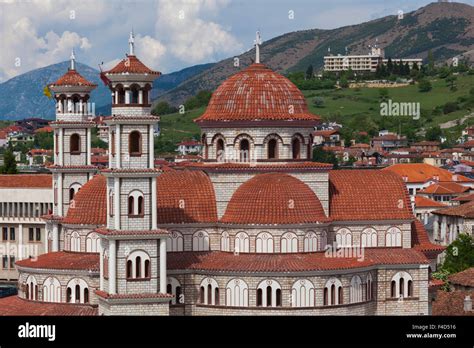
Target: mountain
{"x": 447, "y": 29}
{"x": 22, "y": 96}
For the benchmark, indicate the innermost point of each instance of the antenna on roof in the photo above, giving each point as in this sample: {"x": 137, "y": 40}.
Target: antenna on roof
{"x": 258, "y": 42}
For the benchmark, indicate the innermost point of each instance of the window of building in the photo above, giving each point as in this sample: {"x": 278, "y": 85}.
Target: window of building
{"x": 272, "y": 149}
{"x": 175, "y": 242}
{"x": 237, "y": 293}
{"x": 289, "y": 243}
{"x": 5, "y": 262}
{"x": 38, "y": 234}
{"x": 200, "y": 241}
{"x": 135, "y": 143}
{"x": 209, "y": 292}
{"x": 401, "y": 285}
{"x": 296, "y": 148}
{"x": 51, "y": 290}
{"x": 5, "y": 233}
{"x": 138, "y": 265}
{"x": 31, "y": 234}
{"x": 136, "y": 204}
{"x": 270, "y": 293}
{"x": 12, "y": 233}
{"x": 302, "y": 293}
{"x": 393, "y": 237}
{"x": 220, "y": 156}
{"x": 333, "y": 293}
{"x": 174, "y": 288}
{"x": 244, "y": 148}
{"x": 75, "y": 144}
{"x": 242, "y": 243}
{"x": 355, "y": 290}
{"x": 264, "y": 243}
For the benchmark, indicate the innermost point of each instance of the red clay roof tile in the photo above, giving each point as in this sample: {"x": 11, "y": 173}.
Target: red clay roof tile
{"x": 72, "y": 78}
{"x": 16, "y": 306}
{"x": 64, "y": 260}
{"x": 464, "y": 278}
{"x": 131, "y": 65}
{"x": 26, "y": 181}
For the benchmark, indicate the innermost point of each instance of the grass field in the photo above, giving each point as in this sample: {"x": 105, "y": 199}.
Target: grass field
{"x": 358, "y": 109}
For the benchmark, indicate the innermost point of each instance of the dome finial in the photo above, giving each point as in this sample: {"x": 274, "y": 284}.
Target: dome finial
{"x": 257, "y": 42}
{"x": 73, "y": 60}
{"x": 131, "y": 42}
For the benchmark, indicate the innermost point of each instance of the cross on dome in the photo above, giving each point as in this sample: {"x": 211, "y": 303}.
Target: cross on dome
{"x": 131, "y": 42}
{"x": 73, "y": 60}
{"x": 257, "y": 42}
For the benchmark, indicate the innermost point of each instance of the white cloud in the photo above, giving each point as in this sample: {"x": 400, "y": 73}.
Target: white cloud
{"x": 149, "y": 50}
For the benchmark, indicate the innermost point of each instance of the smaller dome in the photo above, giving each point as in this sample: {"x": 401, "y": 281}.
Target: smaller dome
{"x": 131, "y": 65}
{"x": 72, "y": 78}
{"x": 274, "y": 198}
{"x": 90, "y": 204}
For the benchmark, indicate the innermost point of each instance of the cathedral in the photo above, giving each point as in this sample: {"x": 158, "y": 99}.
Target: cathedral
{"x": 256, "y": 228}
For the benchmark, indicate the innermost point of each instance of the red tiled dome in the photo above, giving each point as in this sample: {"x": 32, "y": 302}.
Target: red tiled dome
{"x": 131, "y": 65}
{"x": 274, "y": 198}
{"x": 90, "y": 204}
{"x": 257, "y": 94}
{"x": 72, "y": 78}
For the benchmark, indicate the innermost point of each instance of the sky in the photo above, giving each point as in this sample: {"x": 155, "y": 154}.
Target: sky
{"x": 169, "y": 34}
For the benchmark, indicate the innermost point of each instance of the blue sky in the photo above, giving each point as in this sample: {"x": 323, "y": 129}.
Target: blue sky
{"x": 170, "y": 34}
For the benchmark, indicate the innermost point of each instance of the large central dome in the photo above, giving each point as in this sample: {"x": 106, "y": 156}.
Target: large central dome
{"x": 257, "y": 94}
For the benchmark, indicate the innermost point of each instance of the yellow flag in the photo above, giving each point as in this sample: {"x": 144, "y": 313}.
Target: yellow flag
{"x": 47, "y": 92}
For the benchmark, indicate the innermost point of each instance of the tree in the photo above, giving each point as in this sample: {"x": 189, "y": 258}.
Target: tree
{"x": 383, "y": 94}
{"x": 434, "y": 133}
{"x": 9, "y": 163}
{"x": 343, "y": 83}
{"x": 309, "y": 72}
{"x": 322, "y": 156}
{"x": 319, "y": 102}
{"x": 162, "y": 108}
{"x": 451, "y": 82}
{"x": 424, "y": 85}
{"x": 459, "y": 254}
{"x": 389, "y": 66}
{"x": 430, "y": 62}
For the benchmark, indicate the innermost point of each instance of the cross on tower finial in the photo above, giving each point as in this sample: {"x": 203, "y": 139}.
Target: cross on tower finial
{"x": 131, "y": 42}
{"x": 73, "y": 60}
{"x": 258, "y": 42}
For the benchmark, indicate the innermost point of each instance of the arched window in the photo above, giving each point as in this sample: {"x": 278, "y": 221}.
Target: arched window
{"x": 31, "y": 288}
{"x": 51, "y": 290}
{"x": 138, "y": 265}
{"x": 302, "y": 293}
{"x": 134, "y": 92}
{"x": 175, "y": 242}
{"x": 334, "y": 288}
{"x": 200, "y": 241}
{"x": 326, "y": 299}
{"x": 356, "y": 289}
{"x": 369, "y": 237}
{"x": 206, "y": 147}
{"x": 209, "y": 292}
{"x": 289, "y": 243}
{"x": 121, "y": 94}
{"x": 86, "y": 295}
{"x": 174, "y": 288}
{"x": 135, "y": 143}
{"x": 264, "y": 243}
{"x": 225, "y": 241}
{"x": 259, "y": 297}
{"x": 344, "y": 238}
{"x": 136, "y": 203}
{"x": 369, "y": 289}
{"x": 92, "y": 243}
{"x": 393, "y": 237}
{"x": 242, "y": 243}
{"x": 75, "y": 144}
{"x": 73, "y": 189}
{"x": 220, "y": 153}
{"x": 401, "y": 285}
{"x": 69, "y": 295}
{"x": 75, "y": 241}
{"x": 202, "y": 295}
{"x": 270, "y": 293}
{"x": 237, "y": 293}
{"x": 272, "y": 149}
{"x": 77, "y": 291}
{"x": 296, "y": 148}
{"x": 244, "y": 150}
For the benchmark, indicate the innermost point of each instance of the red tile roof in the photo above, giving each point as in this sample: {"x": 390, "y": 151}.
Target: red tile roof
{"x": 46, "y": 129}
{"x": 72, "y": 78}
{"x": 16, "y": 306}
{"x": 255, "y": 94}
{"x": 427, "y": 143}
{"x": 464, "y": 278}
{"x": 325, "y": 133}
{"x": 368, "y": 195}
{"x": 274, "y": 198}
{"x": 289, "y": 262}
{"x": 464, "y": 198}
{"x": 465, "y": 210}
{"x": 444, "y": 188}
{"x": 131, "y": 65}
{"x": 108, "y": 232}
{"x": 257, "y": 167}
{"x": 421, "y": 241}
{"x": 421, "y": 172}
{"x": 90, "y": 204}
{"x": 64, "y": 260}
{"x": 26, "y": 181}
{"x": 451, "y": 303}
{"x": 106, "y": 295}
{"x": 423, "y": 202}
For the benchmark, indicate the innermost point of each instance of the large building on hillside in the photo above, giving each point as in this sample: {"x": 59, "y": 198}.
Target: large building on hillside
{"x": 255, "y": 229}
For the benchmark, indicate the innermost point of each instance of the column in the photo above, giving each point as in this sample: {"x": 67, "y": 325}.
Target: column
{"x": 435, "y": 227}
{"x": 127, "y": 96}
{"x": 89, "y": 146}
{"x": 116, "y": 94}
{"x": 163, "y": 280}
{"x": 46, "y": 244}
{"x": 60, "y": 194}
{"x": 20, "y": 242}
{"x": 154, "y": 213}
{"x": 61, "y": 142}
{"x": 117, "y": 203}
{"x": 112, "y": 267}
{"x": 101, "y": 265}
{"x": 55, "y": 237}
{"x": 151, "y": 147}
{"x": 140, "y": 96}
{"x": 118, "y": 150}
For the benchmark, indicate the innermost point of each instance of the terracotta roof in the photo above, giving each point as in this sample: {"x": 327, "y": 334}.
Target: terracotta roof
{"x": 468, "y": 144}
{"x": 289, "y": 262}
{"x": 106, "y": 295}
{"x": 427, "y": 143}
{"x": 465, "y": 210}
{"x": 421, "y": 172}
{"x": 444, "y": 188}
{"x": 16, "y": 306}
{"x": 255, "y": 94}
{"x": 46, "y": 129}
{"x": 326, "y": 133}
{"x": 274, "y": 198}
{"x": 420, "y": 240}
{"x": 368, "y": 195}
{"x": 464, "y": 278}
{"x": 72, "y": 78}
{"x": 109, "y": 232}
{"x": 185, "y": 196}
{"x": 451, "y": 303}
{"x": 423, "y": 202}
{"x": 64, "y": 260}
{"x": 464, "y": 198}
{"x": 90, "y": 204}
{"x": 26, "y": 181}
{"x": 131, "y": 65}
{"x": 257, "y": 167}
